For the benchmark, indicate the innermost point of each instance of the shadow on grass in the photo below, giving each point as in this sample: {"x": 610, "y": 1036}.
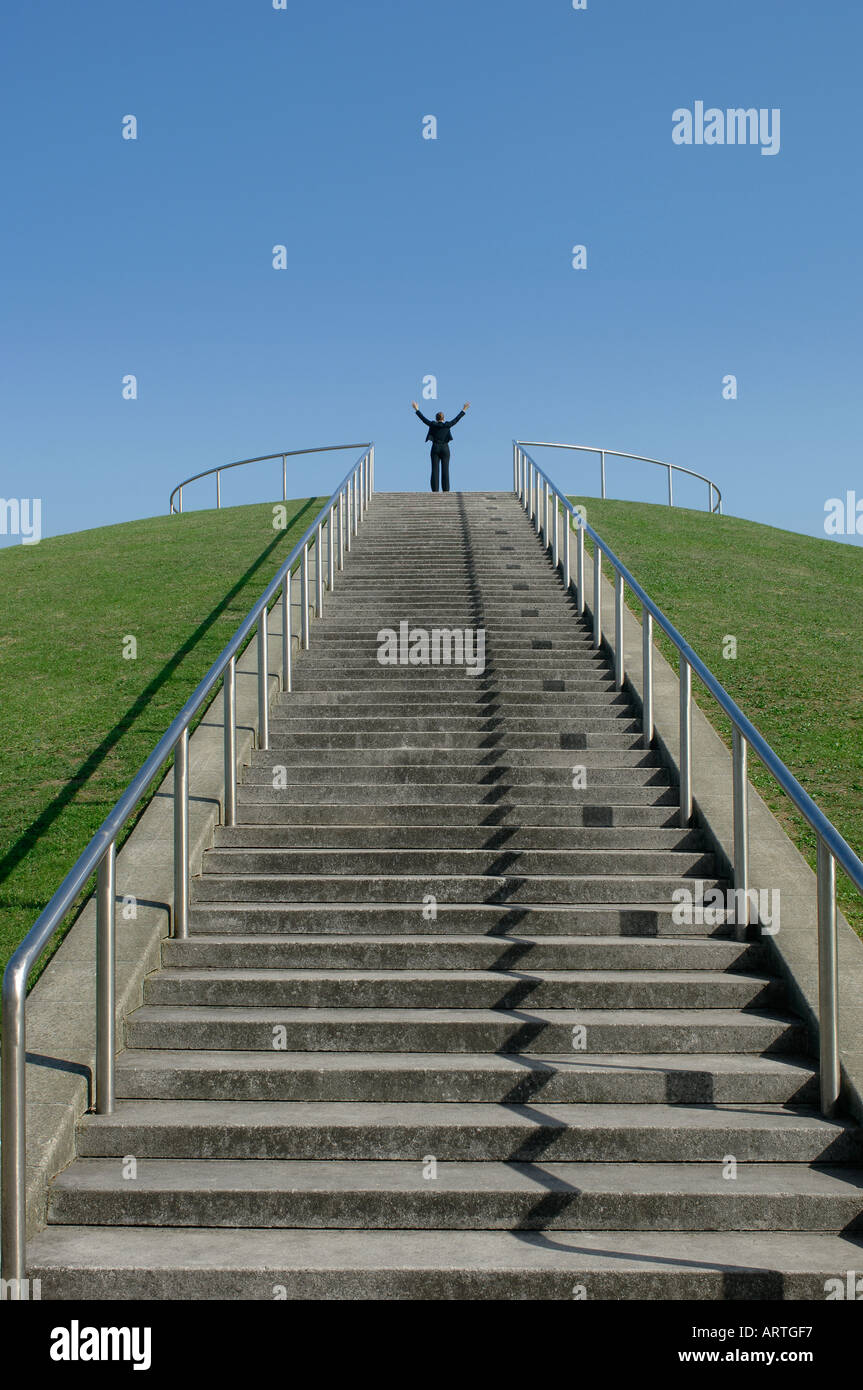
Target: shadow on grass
{"x": 46, "y": 818}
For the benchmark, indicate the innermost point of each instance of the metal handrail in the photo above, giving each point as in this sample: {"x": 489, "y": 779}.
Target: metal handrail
{"x": 341, "y": 516}
{"x": 529, "y": 481}
{"x": 639, "y": 458}
{"x": 240, "y": 463}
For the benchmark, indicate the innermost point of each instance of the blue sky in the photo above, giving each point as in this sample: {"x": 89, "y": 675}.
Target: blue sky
{"x": 409, "y": 257}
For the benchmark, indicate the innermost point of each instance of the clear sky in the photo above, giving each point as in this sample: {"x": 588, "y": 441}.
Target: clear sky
{"x": 406, "y": 256}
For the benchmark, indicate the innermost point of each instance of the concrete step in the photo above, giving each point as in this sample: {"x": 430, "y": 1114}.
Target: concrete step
{"x": 468, "y": 1132}
{"x": 457, "y": 837}
{"x": 497, "y": 1078}
{"x": 452, "y": 989}
{"x": 499, "y": 815}
{"x": 525, "y": 1030}
{"x": 499, "y": 862}
{"x": 368, "y": 1195}
{"x": 495, "y": 920}
{"x": 518, "y": 951}
{"x": 424, "y": 890}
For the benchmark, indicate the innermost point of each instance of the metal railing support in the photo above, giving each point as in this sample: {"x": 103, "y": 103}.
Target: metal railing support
{"x": 319, "y": 573}
{"x": 331, "y": 550}
{"x": 597, "y": 596}
{"x": 602, "y": 472}
{"x": 218, "y": 488}
{"x": 181, "y": 836}
{"x": 670, "y": 488}
{"x": 230, "y": 742}
{"x": 287, "y": 636}
{"x": 341, "y": 528}
{"x": 685, "y": 763}
{"x": 828, "y": 980}
{"x": 579, "y": 562}
{"x": 618, "y": 630}
{"x": 106, "y": 981}
{"x": 263, "y": 681}
{"x": 740, "y": 802}
{"x": 567, "y": 538}
{"x": 304, "y": 599}
{"x": 647, "y": 675}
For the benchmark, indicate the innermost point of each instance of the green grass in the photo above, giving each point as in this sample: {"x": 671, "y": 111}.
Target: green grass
{"x": 794, "y": 603}
{"x": 77, "y": 720}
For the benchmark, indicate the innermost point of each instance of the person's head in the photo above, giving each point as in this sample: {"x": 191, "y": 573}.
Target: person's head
{"x": 440, "y": 415}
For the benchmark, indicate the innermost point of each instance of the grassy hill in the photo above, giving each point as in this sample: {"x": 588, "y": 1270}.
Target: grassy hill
{"x": 794, "y": 603}
{"x": 77, "y": 719}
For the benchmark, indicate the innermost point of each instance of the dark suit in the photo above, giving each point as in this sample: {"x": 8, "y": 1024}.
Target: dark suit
{"x": 440, "y": 434}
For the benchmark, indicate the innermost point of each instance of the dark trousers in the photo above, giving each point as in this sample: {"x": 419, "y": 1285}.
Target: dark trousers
{"x": 440, "y": 466}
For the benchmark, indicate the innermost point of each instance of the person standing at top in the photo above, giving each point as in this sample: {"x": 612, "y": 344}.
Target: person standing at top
{"x": 440, "y": 434}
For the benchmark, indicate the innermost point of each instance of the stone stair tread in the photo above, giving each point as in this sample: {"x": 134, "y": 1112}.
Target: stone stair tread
{"x": 394, "y": 1175}
{"x": 125, "y": 1262}
{"x": 513, "y": 1064}
{"x": 190, "y": 1114}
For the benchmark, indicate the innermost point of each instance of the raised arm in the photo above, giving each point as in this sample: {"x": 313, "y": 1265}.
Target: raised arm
{"x": 420, "y": 414}
{"x": 464, "y": 408}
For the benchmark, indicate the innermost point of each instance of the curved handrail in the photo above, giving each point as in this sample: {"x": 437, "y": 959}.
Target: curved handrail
{"x": 341, "y": 515}
{"x": 639, "y": 458}
{"x": 833, "y": 849}
{"x": 240, "y": 463}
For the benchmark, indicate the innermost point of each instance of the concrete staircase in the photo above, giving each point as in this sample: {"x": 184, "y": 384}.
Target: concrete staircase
{"x": 537, "y": 1091}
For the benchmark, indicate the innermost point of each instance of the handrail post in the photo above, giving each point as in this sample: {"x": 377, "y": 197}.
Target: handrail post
{"x": 515, "y": 468}
{"x": 685, "y": 681}
{"x": 356, "y": 502}
{"x": 567, "y": 535}
{"x": 181, "y": 836}
{"x": 828, "y": 981}
{"x": 579, "y": 566}
{"x": 618, "y": 630}
{"x": 319, "y": 572}
{"x": 331, "y": 549}
{"x": 106, "y": 981}
{"x": 602, "y": 472}
{"x": 180, "y": 499}
{"x": 670, "y": 488}
{"x": 555, "y": 515}
{"x": 14, "y": 1127}
{"x": 284, "y": 477}
{"x": 218, "y": 488}
{"x": 229, "y": 683}
{"x": 597, "y": 596}
{"x": 740, "y": 799}
{"x": 647, "y": 675}
{"x": 349, "y": 507}
{"x": 710, "y": 497}
{"x": 287, "y": 639}
{"x": 371, "y": 472}
{"x": 263, "y": 681}
{"x": 304, "y": 598}
{"x": 341, "y": 528}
